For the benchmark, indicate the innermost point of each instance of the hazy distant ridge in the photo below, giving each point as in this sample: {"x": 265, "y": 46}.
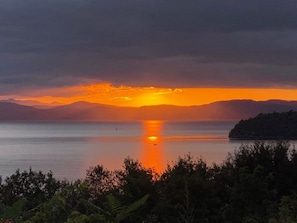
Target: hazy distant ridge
{"x": 222, "y": 110}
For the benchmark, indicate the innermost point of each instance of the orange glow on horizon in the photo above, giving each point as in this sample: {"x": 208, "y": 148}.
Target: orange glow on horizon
{"x": 106, "y": 93}
{"x": 152, "y": 149}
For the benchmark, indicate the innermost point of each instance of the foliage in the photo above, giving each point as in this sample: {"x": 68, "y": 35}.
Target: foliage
{"x": 257, "y": 183}
{"x": 15, "y": 211}
{"x": 35, "y": 187}
{"x": 119, "y": 212}
{"x": 273, "y": 126}
{"x": 52, "y": 211}
{"x": 99, "y": 182}
{"x": 188, "y": 188}
{"x": 287, "y": 210}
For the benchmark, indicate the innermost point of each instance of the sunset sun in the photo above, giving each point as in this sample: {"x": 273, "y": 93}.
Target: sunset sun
{"x": 150, "y": 99}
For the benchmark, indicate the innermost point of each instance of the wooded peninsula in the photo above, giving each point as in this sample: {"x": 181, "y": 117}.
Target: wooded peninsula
{"x": 271, "y": 126}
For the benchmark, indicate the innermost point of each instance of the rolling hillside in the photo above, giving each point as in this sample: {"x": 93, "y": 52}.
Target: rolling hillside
{"x": 222, "y": 110}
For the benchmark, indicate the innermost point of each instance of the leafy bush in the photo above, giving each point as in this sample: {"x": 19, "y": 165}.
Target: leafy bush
{"x": 257, "y": 183}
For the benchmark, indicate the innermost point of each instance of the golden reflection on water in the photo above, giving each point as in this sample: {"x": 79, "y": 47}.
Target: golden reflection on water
{"x": 152, "y": 155}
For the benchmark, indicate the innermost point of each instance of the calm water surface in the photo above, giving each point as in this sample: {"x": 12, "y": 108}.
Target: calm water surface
{"x": 69, "y": 149}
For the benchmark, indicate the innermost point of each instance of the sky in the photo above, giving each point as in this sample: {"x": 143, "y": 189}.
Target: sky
{"x": 144, "y": 52}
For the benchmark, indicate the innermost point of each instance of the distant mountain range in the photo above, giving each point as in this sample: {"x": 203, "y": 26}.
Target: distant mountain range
{"x": 85, "y": 111}
{"x": 36, "y": 104}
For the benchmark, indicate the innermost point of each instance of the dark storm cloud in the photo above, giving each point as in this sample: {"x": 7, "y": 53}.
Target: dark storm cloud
{"x": 162, "y": 43}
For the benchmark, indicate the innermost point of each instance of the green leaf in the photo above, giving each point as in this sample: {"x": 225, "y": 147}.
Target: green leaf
{"x": 15, "y": 211}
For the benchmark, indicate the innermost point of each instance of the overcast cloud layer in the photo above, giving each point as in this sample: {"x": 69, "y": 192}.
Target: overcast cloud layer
{"x": 172, "y": 43}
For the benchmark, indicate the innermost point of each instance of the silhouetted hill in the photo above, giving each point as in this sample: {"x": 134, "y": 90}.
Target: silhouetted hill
{"x": 222, "y": 110}
{"x": 273, "y": 126}
{"x": 86, "y": 111}
{"x": 32, "y": 103}
{"x": 11, "y": 111}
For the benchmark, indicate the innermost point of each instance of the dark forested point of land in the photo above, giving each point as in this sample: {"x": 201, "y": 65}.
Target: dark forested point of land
{"x": 271, "y": 126}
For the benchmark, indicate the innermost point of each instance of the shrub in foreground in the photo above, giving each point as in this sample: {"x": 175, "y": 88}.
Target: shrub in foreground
{"x": 257, "y": 183}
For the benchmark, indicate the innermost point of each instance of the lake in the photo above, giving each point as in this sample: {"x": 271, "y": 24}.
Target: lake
{"x": 68, "y": 149}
